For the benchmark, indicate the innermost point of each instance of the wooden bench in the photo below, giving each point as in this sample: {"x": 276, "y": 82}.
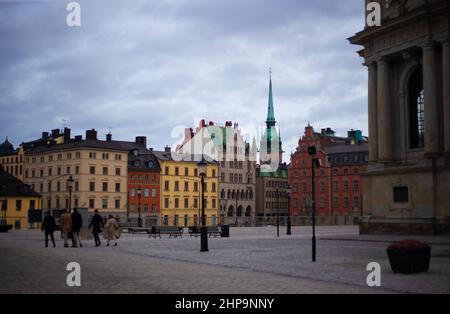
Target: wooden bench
{"x": 138, "y": 230}
{"x": 174, "y": 232}
{"x": 213, "y": 231}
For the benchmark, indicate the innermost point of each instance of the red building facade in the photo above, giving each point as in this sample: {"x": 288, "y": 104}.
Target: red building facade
{"x": 144, "y": 184}
{"x": 338, "y": 179}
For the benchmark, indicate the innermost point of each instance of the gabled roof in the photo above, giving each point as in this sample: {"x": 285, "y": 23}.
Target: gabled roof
{"x": 10, "y": 186}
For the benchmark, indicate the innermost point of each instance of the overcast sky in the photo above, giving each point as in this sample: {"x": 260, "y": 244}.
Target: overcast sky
{"x": 144, "y": 67}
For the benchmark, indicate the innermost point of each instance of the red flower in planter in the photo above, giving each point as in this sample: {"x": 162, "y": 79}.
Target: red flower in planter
{"x": 408, "y": 245}
{"x": 409, "y": 256}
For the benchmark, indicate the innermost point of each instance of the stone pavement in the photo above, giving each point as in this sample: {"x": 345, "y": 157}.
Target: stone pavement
{"x": 252, "y": 261}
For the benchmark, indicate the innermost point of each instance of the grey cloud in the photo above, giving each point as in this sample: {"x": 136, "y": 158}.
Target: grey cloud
{"x": 145, "y": 67}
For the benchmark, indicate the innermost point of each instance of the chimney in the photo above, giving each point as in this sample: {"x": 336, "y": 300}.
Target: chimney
{"x": 55, "y": 133}
{"x": 167, "y": 149}
{"x": 66, "y": 135}
{"x": 211, "y": 123}
{"x": 188, "y": 133}
{"x": 141, "y": 140}
{"x": 91, "y": 135}
{"x": 44, "y": 135}
{"x": 202, "y": 123}
{"x": 78, "y": 138}
{"x": 109, "y": 137}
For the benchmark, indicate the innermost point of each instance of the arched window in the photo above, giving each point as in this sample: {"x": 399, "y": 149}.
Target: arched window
{"x": 416, "y": 110}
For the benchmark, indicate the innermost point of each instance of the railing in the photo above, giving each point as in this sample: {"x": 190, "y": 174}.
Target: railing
{"x": 307, "y": 220}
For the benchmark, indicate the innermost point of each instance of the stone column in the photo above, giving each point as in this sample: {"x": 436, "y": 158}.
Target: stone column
{"x": 430, "y": 97}
{"x": 446, "y": 85}
{"x": 383, "y": 112}
{"x": 373, "y": 123}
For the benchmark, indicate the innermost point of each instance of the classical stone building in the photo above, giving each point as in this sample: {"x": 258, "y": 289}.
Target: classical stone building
{"x": 406, "y": 187}
{"x": 237, "y": 168}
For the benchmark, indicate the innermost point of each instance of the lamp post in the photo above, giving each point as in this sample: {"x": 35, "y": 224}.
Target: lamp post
{"x": 237, "y": 197}
{"x": 278, "y": 213}
{"x": 70, "y": 188}
{"x": 4, "y": 210}
{"x": 312, "y": 150}
{"x": 288, "y": 193}
{"x": 139, "y": 192}
{"x": 202, "y": 167}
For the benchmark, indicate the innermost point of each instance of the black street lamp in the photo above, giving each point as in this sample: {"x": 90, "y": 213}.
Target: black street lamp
{"x": 202, "y": 167}
{"x": 139, "y": 192}
{"x": 278, "y": 213}
{"x": 70, "y": 188}
{"x": 312, "y": 150}
{"x": 237, "y": 198}
{"x": 4, "y": 210}
{"x": 288, "y": 193}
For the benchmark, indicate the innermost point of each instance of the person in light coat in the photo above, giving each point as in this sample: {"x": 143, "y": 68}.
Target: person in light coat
{"x": 65, "y": 222}
{"x": 111, "y": 231}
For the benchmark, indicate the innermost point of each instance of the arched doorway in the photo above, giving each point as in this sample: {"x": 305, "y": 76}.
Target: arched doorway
{"x": 230, "y": 211}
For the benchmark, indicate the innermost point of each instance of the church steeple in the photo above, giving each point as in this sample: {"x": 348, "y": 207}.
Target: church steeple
{"x": 270, "y": 112}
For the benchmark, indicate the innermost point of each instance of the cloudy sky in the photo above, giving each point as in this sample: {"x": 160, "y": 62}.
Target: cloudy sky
{"x": 147, "y": 67}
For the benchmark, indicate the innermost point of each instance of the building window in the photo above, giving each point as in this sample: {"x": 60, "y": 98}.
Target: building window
{"x": 91, "y": 203}
{"x": 117, "y": 187}
{"x": 105, "y": 171}
{"x": 18, "y": 205}
{"x": 176, "y": 171}
{"x": 166, "y": 186}
{"x": 146, "y": 192}
{"x": 177, "y": 186}
{"x": 186, "y": 203}
{"x": 177, "y": 203}
{"x": 92, "y": 170}
{"x": 346, "y": 203}
{"x": 132, "y": 192}
{"x": 335, "y": 202}
{"x": 345, "y": 186}
{"x": 92, "y": 186}
{"x": 166, "y": 202}
{"x": 166, "y": 171}
{"x": 104, "y": 203}
{"x": 117, "y": 204}
{"x": 335, "y": 186}
{"x": 77, "y": 170}
{"x": 322, "y": 202}
{"x": 117, "y": 171}
{"x": 105, "y": 186}
{"x": 186, "y": 172}
{"x": 401, "y": 194}
{"x": 416, "y": 110}
{"x": 153, "y": 208}
{"x": 356, "y": 185}
{"x": 195, "y": 203}
{"x": 186, "y": 186}
{"x": 356, "y": 202}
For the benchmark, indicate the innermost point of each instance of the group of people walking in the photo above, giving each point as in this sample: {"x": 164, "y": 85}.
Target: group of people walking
{"x": 71, "y": 224}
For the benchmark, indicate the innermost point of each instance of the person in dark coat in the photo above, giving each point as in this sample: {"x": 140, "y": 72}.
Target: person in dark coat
{"x": 49, "y": 227}
{"x": 77, "y": 223}
{"x": 97, "y": 226}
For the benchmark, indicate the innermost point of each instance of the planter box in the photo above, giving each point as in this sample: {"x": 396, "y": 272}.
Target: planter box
{"x": 409, "y": 260}
{"x": 5, "y": 228}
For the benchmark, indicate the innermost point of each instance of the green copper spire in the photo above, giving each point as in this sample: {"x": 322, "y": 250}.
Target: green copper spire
{"x": 270, "y": 113}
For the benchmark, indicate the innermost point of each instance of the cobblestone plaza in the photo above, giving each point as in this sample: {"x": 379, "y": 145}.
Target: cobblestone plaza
{"x": 252, "y": 261}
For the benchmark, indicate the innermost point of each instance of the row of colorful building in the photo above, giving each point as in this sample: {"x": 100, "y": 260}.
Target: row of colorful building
{"x": 245, "y": 184}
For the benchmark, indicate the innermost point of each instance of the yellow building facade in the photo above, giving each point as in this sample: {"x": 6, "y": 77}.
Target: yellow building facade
{"x": 16, "y": 199}
{"x": 181, "y": 192}
{"x": 97, "y": 167}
